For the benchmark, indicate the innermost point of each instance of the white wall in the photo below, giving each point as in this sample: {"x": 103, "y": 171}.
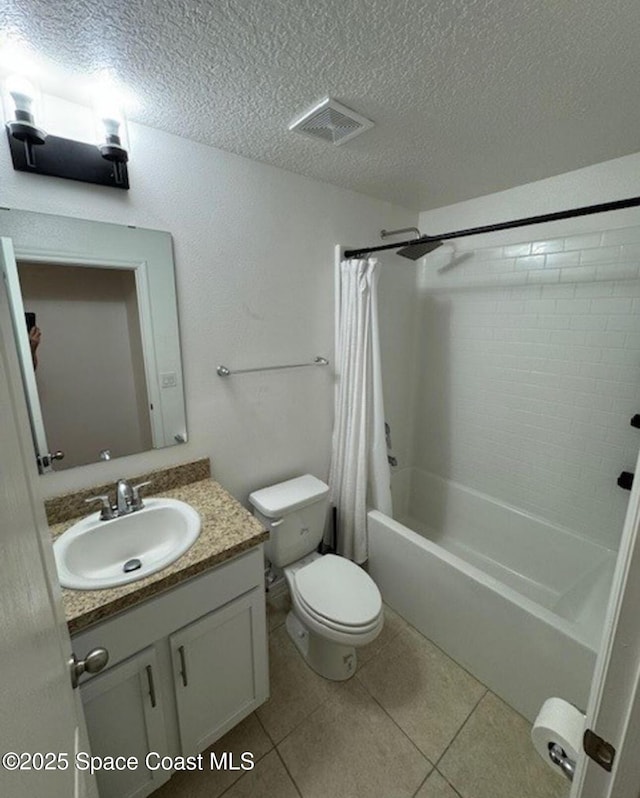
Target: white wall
{"x": 529, "y": 354}
{"x": 254, "y": 251}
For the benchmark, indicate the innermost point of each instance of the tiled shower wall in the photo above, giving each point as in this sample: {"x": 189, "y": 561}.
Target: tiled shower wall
{"x": 529, "y": 372}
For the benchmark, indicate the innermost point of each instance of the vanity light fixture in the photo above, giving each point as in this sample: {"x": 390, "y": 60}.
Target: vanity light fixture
{"x": 111, "y": 149}
{"x": 23, "y": 127}
{"x": 104, "y": 164}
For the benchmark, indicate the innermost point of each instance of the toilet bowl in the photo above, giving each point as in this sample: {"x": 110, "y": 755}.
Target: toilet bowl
{"x": 336, "y": 606}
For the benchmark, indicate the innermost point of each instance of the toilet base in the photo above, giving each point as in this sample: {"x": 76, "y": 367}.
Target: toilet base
{"x": 331, "y": 660}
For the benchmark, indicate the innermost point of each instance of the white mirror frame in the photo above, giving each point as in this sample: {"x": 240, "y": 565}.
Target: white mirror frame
{"x": 149, "y": 254}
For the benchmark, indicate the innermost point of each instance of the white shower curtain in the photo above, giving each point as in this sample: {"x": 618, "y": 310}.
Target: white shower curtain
{"x": 359, "y": 477}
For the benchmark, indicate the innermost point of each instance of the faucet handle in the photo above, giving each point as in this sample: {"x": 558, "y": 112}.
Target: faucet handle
{"x": 107, "y": 512}
{"x": 137, "y": 502}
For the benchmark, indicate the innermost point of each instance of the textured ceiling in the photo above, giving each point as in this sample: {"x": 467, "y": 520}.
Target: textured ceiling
{"x": 468, "y": 96}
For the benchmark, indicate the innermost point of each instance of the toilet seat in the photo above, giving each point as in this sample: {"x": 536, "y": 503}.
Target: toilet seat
{"x": 338, "y": 627}
{"x": 335, "y": 593}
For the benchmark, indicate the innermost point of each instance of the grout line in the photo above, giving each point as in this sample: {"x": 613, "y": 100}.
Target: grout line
{"x": 246, "y": 774}
{"x": 442, "y": 651}
{"x": 256, "y": 761}
{"x": 462, "y": 725}
{"x": 457, "y": 792}
{"x": 312, "y": 712}
{"x": 238, "y": 780}
{"x": 428, "y": 776}
{"x": 382, "y": 648}
{"x": 423, "y": 782}
{"x": 471, "y": 711}
{"x": 264, "y": 729}
{"x": 395, "y": 723}
{"x": 293, "y": 781}
{"x": 331, "y": 693}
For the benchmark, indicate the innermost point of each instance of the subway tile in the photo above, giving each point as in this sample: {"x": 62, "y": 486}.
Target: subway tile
{"x": 543, "y": 276}
{"x": 489, "y": 253}
{"x": 542, "y": 247}
{"x": 517, "y": 250}
{"x": 523, "y": 292}
{"x": 595, "y": 289}
{"x": 541, "y": 306}
{"x": 552, "y": 321}
{"x": 517, "y": 278}
{"x": 578, "y": 274}
{"x": 599, "y": 255}
{"x": 523, "y": 370}
{"x": 625, "y": 322}
{"x": 601, "y": 371}
{"x": 625, "y": 235}
{"x": 623, "y": 391}
{"x": 627, "y": 357}
{"x": 613, "y": 305}
{"x": 571, "y": 337}
{"x": 530, "y": 262}
{"x": 562, "y": 260}
{"x": 630, "y": 252}
{"x": 590, "y": 322}
{"x": 496, "y": 266}
{"x": 617, "y": 271}
{"x": 629, "y": 288}
{"x": 558, "y": 291}
{"x": 572, "y": 306}
{"x": 607, "y": 340}
{"x": 583, "y": 241}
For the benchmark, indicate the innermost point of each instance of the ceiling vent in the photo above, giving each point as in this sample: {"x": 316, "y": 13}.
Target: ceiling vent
{"x": 331, "y": 122}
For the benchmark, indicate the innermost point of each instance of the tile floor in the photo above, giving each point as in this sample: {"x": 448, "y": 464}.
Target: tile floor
{"x": 409, "y": 723}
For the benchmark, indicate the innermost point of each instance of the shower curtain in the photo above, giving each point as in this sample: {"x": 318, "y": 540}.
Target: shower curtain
{"x": 359, "y": 477}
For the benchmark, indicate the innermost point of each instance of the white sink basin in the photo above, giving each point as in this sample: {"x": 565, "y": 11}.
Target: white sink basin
{"x": 91, "y": 555}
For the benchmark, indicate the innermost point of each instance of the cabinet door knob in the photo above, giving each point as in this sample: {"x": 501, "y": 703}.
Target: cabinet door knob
{"x": 94, "y": 662}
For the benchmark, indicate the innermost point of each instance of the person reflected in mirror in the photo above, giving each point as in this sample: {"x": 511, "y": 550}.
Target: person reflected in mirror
{"x": 35, "y": 334}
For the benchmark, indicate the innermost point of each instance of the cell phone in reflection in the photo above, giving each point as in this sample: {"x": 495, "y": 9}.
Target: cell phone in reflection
{"x": 30, "y": 318}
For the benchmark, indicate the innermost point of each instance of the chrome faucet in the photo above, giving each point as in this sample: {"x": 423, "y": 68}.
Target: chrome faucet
{"x": 124, "y": 497}
{"x": 128, "y": 500}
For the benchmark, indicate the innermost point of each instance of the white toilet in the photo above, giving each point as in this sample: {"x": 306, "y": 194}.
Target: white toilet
{"x": 336, "y": 605}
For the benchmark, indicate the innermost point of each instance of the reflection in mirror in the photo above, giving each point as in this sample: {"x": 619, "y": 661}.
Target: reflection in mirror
{"x": 95, "y": 321}
{"x": 92, "y": 313}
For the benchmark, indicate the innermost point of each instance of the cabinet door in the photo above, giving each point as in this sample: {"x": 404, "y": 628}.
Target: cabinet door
{"x": 124, "y": 716}
{"x": 220, "y": 670}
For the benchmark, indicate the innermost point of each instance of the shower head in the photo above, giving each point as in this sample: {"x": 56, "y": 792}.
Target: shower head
{"x": 417, "y": 250}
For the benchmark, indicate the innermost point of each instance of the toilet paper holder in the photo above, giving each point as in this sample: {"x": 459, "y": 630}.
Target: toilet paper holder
{"x": 559, "y": 757}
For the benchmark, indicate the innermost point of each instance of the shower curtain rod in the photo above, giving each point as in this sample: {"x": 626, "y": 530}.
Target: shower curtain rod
{"x": 492, "y": 228}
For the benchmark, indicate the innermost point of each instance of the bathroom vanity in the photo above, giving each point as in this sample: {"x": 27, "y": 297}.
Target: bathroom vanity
{"x": 187, "y": 647}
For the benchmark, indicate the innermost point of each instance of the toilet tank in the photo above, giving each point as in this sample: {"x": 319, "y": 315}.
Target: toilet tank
{"x": 294, "y": 512}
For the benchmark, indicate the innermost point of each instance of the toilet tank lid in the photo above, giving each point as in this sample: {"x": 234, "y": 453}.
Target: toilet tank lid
{"x": 285, "y": 497}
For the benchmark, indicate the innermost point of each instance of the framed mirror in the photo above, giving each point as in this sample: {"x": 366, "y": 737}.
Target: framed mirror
{"x": 96, "y": 325}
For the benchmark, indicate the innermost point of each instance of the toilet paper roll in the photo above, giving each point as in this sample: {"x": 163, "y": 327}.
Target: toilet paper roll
{"x": 558, "y": 722}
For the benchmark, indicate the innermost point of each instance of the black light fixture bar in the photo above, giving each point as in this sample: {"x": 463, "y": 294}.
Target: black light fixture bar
{"x": 586, "y": 210}
{"x": 73, "y": 160}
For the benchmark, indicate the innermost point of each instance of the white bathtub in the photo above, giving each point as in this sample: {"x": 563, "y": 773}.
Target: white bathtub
{"x": 517, "y": 601}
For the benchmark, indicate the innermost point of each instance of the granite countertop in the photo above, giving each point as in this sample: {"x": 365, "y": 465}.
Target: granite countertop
{"x": 228, "y": 529}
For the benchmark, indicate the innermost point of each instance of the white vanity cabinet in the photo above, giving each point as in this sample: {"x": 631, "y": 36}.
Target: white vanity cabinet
{"x": 125, "y": 718}
{"x": 184, "y": 668}
{"x": 214, "y": 667}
